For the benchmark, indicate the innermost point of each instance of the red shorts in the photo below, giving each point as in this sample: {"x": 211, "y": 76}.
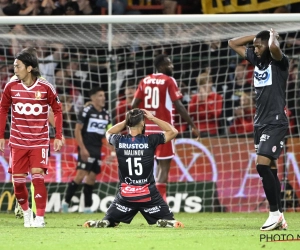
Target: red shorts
{"x": 23, "y": 160}
{"x": 165, "y": 151}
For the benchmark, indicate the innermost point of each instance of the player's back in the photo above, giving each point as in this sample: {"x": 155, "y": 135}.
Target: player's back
{"x": 158, "y": 92}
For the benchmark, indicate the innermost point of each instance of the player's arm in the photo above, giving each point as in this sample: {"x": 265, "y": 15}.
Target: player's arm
{"x": 116, "y": 129}
{"x": 55, "y": 105}
{"x": 184, "y": 114}
{"x": 5, "y": 104}
{"x": 274, "y": 46}
{"x": 169, "y": 131}
{"x": 84, "y": 153}
{"x": 238, "y": 44}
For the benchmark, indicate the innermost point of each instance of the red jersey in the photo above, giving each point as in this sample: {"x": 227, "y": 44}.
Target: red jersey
{"x": 30, "y": 109}
{"x": 157, "y": 93}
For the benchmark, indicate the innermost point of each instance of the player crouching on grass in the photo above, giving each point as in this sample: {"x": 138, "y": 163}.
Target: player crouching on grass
{"x": 137, "y": 191}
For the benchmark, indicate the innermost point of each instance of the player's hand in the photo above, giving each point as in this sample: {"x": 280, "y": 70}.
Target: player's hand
{"x": 148, "y": 114}
{"x": 84, "y": 154}
{"x": 2, "y": 144}
{"x": 274, "y": 33}
{"x": 57, "y": 144}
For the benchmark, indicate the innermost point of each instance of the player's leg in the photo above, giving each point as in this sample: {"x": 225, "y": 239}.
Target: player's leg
{"x": 19, "y": 170}
{"x": 274, "y": 170}
{"x": 118, "y": 211}
{"x": 72, "y": 187}
{"x": 158, "y": 212}
{"x": 269, "y": 148}
{"x": 88, "y": 186}
{"x": 164, "y": 154}
{"x": 39, "y": 164}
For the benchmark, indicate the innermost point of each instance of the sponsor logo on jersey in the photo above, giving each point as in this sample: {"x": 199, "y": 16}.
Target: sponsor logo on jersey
{"x": 262, "y": 77}
{"x": 149, "y": 80}
{"x": 28, "y": 108}
{"x": 264, "y": 137}
{"x": 133, "y": 145}
{"x": 38, "y": 95}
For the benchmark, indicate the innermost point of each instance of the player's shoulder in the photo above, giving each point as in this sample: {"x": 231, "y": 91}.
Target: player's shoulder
{"x": 43, "y": 82}
{"x": 87, "y": 108}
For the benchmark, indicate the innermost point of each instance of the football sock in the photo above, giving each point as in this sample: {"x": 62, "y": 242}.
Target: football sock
{"x": 40, "y": 194}
{"x": 88, "y": 192}
{"x": 269, "y": 185}
{"x": 71, "y": 189}
{"x": 278, "y": 185}
{"x": 21, "y": 191}
{"x": 162, "y": 189}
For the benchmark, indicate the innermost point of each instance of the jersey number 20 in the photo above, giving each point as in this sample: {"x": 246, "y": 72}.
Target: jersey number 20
{"x": 151, "y": 97}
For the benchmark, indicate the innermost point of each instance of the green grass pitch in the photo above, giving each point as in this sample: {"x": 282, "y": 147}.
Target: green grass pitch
{"x": 236, "y": 231}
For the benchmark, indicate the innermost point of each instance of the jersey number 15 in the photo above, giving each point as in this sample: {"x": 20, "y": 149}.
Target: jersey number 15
{"x": 136, "y": 164}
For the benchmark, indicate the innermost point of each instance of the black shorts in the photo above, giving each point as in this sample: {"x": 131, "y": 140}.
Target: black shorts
{"x": 92, "y": 165}
{"x": 269, "y": 140}
{"x": 122, "y": 210}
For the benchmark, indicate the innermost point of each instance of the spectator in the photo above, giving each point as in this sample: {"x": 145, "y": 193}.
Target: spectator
{"x": 47, "y": 7}
{"x": 3, "y": 4}
{"x": 23, "y": 8}
{"x": 125, "y": 105}
{"x": 206, "y": 107}
{"x": 85, "y": 7}
{"x": 233, "y": 90}
{"x": 243, "y": 115}
{"x": 118, "y": 6}
{"x": 71, "y": 9}
{"x": 60, "y": 7}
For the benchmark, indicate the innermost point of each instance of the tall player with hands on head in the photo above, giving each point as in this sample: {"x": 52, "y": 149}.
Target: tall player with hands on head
{"x": 270, "y": 120}
{"x": 30, "y": 98}
{"x": 157, "y": 93}
{"x": 137, "y": 190}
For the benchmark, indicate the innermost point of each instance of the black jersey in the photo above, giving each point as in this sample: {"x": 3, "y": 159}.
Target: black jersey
{"x": 135, "y": 163}
{"x": 270, "y": 88}
{"x": 95, "y": 124}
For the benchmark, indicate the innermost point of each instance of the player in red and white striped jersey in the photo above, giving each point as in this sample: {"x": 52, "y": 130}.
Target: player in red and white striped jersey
{"x": 157, "y": 93}
{"x": 30, "y": 99}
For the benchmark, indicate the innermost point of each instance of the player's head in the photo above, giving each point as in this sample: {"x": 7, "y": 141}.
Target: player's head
{"x": 135, "y": 120}
{"x": 163, "y": 65}
{"x": 97, "y": 96}
{"x": 261, "y": 46}
{"x": 26, "y": 63}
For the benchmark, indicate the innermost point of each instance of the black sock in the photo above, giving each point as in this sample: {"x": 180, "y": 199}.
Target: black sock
{"x": 72, "y": 187}
{"x": 269, "y": 185}
{"x": 278, "y": 185}
{"x": 88, "y": 192}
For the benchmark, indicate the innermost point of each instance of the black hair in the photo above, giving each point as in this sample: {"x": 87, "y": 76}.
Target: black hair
{"x": 134, "y": 117}
{"x": 95, "y": 90}
{"x": 160, "y": 60}
{"x": 264, "y": 35}
{"x": 130, "y": 83}
{"x": 28, "y": 56}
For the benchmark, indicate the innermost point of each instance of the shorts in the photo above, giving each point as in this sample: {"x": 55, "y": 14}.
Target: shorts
{"x": 23, "y": 160}
{"x": 124, "y": 211}
{"x": 92, "y": 165}
{"x": 165, "y": 151}
{"x": 269, "y": 140}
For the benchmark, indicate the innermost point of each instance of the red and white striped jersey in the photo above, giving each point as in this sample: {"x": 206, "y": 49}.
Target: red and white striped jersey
{"x": 157, "y": 93}
{"x": 30, "y": 109}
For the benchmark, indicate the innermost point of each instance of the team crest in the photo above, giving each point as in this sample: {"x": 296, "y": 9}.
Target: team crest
{"x": 38, "y": 95}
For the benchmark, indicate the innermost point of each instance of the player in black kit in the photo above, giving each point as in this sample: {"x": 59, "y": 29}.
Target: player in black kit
{"x": 137, "y": 190}
{"x": 270, "y": 120}
{"x": 90, "y": 128}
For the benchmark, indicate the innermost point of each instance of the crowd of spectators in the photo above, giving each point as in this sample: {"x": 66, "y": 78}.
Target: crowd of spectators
{"x": 216, "y": 85}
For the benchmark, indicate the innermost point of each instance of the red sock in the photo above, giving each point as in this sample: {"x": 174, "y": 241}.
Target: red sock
{"x": 40, "y": 194}
{"x": 21, "y": 191}
{"x": 162, "y": 189}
